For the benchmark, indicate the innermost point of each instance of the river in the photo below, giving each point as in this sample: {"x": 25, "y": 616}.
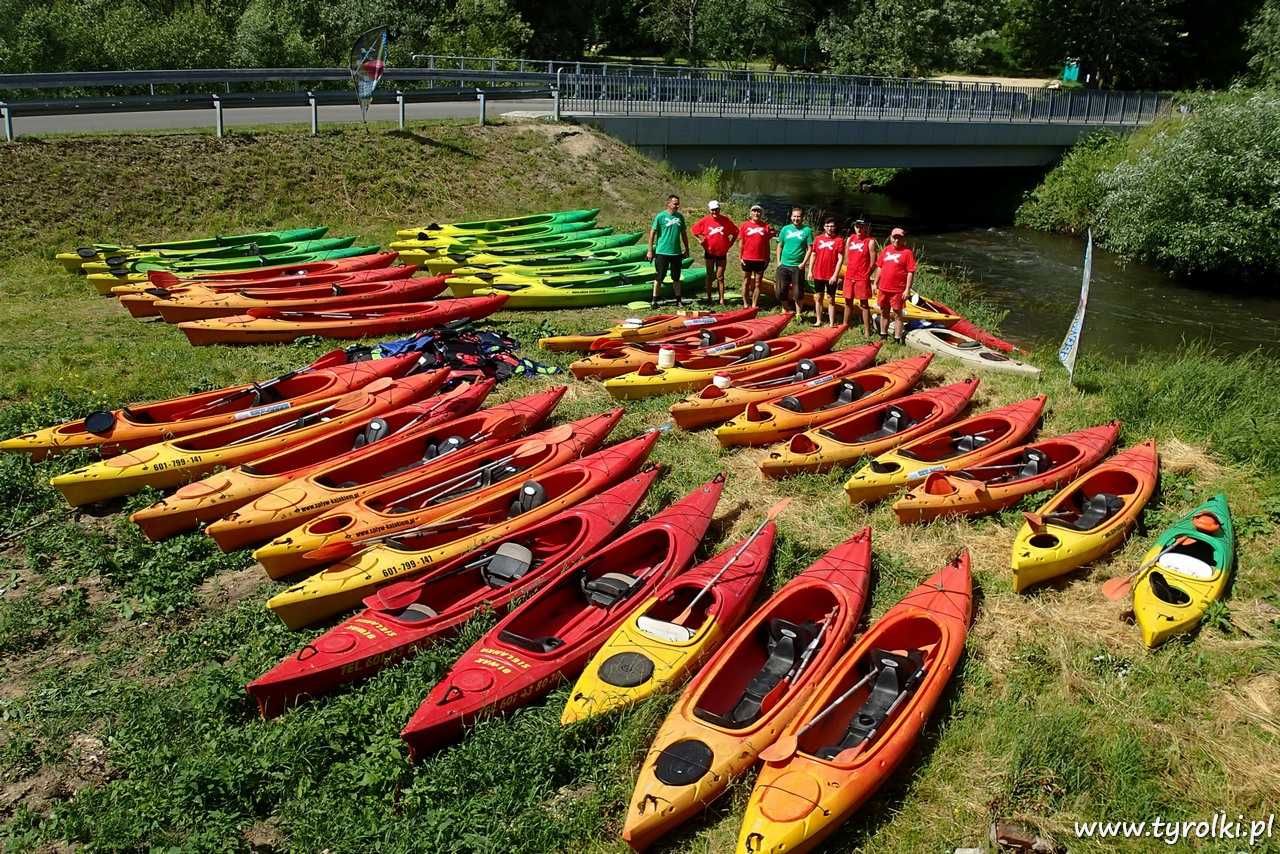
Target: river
{"x": 965, "y": 223}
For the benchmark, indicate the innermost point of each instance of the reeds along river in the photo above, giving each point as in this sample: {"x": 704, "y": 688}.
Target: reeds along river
{"x": 965, "y": 224}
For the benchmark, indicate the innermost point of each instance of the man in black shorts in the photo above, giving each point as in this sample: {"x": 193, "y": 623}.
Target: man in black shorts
{"x": 668, "y": 247}
{"x": 753, "y": 246}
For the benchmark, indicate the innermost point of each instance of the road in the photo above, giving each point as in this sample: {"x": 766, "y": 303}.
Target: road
{"x": 182, "y": 119}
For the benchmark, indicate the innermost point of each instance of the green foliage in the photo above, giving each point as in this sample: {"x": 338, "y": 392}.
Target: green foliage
{"x": 1068, "y": 199}
{"x": 902, "y": 38}
{"x": 1264, "y": 44}
{"x": 269, "y": 35}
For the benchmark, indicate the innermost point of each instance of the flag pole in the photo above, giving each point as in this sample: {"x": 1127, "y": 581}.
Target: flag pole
{"x": 1071, "y": 344}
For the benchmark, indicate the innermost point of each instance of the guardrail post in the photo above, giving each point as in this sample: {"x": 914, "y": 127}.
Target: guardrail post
{"x": 480, "y": 98}
{"x": 555, "y": 104}
{"x": 315, "y": 112}
{"x": 217, "y": 116}
{"x": 8, "y": 122}
{"x": 400, "y": 107}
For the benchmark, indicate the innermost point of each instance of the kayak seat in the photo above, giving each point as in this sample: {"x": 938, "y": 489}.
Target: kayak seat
{"x": 848, "y": 392}
{"x": 444, "y": 446}
{"x": 337, "y": 290}
{"x": 607, "y": 590}
{"x": 896, "y": 677}
{"x": 1033, "y": 463}
{"x": 1165, "y": 591}
{"x": 264, "y": 394}
{"x": 415, "y": 613}
{"x": 542, "y": 644}
{"x": 967, "y": 442}
{"x": 509, "y": 562}
{"x": 786, "y": 644}
{"x": 373, "y": 431}
{"x": 706, "y": 337}
{"x": 758, "y": 351}
{"x": 791, "y": 402}
{"x": 1094, "y": 510}
{"x": 805, "y": 370}
{"x": 133, "y": 415}
{"x": 894, "y": 421}
{"x": 532, "y": 495}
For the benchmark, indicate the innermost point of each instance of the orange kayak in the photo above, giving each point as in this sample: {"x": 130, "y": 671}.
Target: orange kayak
{"x": 1000, "y": 481}
{"x": 193, "y": 304}
{"x": 863, "y": 720}
{"x": 430, "y": 494}
{"x": 400, "y": 457}
{"x": 115, "y": 431}
{"x": 948, "y": 448}
{"x": 280, "y": 326}
{"x": 605, "y": 362}
{"x": 870, "y": 431}
{"x": 715, "y": 405}
{"x": 780, "y": 419}
{"x": 749, "y": 690}
{"x": 221, "y": 492}
{"x": 649, "y": 328}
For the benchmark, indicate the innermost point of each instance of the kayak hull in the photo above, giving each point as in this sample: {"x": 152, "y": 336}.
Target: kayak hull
{"x": 608, "y": 362}
{"x": 954, "y": 345}
{"x": 646, "y": 329}
{"x": 191, "y": 306}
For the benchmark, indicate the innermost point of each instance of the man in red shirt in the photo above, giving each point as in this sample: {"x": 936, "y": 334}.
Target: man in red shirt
{"x": 824, "y": 271}
{"x": 859, "y": 256}
{"x": 753, "y": 247}
{"x": 895, "y": 273}
{"x": 716, "y": 232}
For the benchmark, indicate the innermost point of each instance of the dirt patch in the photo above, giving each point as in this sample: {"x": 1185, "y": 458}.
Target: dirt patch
{"x": 264, "y": 836}
{"x": 86, "y": 765}
{"x": 228, "y": 588}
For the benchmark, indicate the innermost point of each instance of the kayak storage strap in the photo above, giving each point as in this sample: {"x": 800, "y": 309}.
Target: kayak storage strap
{"x": 609, "y": 589}
{"x": 787, "y": 642}
{"x": 898, "y": 676}
{"x": 509, "y": 563}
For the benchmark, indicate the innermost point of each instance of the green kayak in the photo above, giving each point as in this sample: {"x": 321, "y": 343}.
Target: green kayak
{"x": 482, "y": 225}
{"x": 581, "y": 242}
{"x": 609, "y": 249}
{"x": 543, "y": 297}
{"x": 627, "y": 274}
{"x": 284, "y": 253}
{"x": 596, "y": 266}
{"x": 74, "y": 260}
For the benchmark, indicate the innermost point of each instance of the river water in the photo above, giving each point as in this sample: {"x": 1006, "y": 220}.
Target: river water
{"x": 1035, "y": 277}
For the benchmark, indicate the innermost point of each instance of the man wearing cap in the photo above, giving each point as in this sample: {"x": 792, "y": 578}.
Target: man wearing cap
{"x": 895, "y": 273}
{"x": 716, "y": 232}
{"x": 668, "y": 247}
{"x": 753, "y": 248}
{"x": 859, "y": 257}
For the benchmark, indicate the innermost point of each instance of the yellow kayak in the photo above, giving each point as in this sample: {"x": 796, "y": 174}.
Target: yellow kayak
{"x": 1187, "y": 569}
{"x": 1089, "y": 518}
{"x": 663, "y": 640}
{"x": 948, "y": 448}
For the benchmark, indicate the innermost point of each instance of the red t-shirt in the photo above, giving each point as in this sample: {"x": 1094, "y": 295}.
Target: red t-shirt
{"x": 754, "y": 240}
{"x": 717, "y": 232}
{"x": 826, "y": 256}
{"x": 894, "y": 265}
{"x": 858, "y": 257}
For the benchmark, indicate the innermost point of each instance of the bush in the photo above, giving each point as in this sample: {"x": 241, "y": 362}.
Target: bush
{"x": 1068, "y": 199}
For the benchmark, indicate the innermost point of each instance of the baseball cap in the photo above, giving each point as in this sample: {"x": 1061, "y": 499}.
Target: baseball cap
{"x": 713, "y": 205}
{"x": 859, "y": 221}
{"x": 897, "y": 232}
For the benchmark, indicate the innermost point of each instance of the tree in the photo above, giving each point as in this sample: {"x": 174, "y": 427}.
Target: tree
{"x": 901, "y": 38}
{"x": 1264, "y": 44}
{"x": 1120, "y": 43}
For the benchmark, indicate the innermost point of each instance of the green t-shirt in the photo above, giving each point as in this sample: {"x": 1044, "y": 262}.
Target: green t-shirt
{"x": 666, "y": 228}
{"x": 794, "y": 242}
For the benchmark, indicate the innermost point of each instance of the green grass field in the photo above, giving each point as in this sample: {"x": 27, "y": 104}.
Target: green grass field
{"x": 125, "y": 724}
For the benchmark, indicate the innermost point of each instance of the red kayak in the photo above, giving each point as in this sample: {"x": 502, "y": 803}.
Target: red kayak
{"x": 163, "y": 278}
{"x": 549, "y": 638}
{"x": 221, "y": 492}
{"x": 1003, "y": 480}
{"x": 749, "y": 690}
{"x": 649, "y": 328}
{"x": 401, "y": 618}
{"x": 140, "y": 300}
{"x": 714, "y": 405}
{"x": 198, "y": 305}
{"x": 605, "y": 362}
{"x": 966, "y": 327}
{"x": 288, "y": 506}
{"x": 277, "y": 326}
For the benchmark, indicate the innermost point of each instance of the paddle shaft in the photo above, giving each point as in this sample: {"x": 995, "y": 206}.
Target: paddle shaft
{"x": 711, "y": 582}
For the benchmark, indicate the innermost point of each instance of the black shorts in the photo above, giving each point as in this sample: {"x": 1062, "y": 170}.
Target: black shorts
{"x": 825, "y": 286}
{"x": 787, "y": 279}
{"x": 663, "y": 263}
{"x": 754, "y": 266}
{"x": 715, "y": 260}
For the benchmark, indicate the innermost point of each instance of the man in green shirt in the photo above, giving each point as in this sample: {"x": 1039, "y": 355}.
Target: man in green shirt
{"x": 668, "y": 247}
{"x": 795, "y": 245}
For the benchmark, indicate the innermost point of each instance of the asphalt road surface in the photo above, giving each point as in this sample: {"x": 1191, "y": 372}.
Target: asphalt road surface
{"x": 232, "y": 118}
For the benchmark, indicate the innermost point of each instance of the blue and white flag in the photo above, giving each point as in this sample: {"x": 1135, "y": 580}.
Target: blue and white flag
{"x": 1071, "y": 344}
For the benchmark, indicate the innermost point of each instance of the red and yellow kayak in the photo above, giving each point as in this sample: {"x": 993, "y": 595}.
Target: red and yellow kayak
{"x": 863, "y": 720}
{"x": 192, "y": 304}
{"x": 605, "y": 362}
{"x": 649, "y": 328}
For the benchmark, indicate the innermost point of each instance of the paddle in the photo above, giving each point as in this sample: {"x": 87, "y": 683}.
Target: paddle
{"x": 677, "y": 623}
{"x": 785, "y": 747}
{"x": 773, "y": 697}
{"x": 337, "y": 551}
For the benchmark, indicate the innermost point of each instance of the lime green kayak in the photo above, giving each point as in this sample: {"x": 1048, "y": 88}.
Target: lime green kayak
{"x": 528, "y": 234}
{"x": 582, "y": 241}
{"x": 578, "y": 266}
{"x": 284, "y": 253}
{"x": 483, "y": 225}
{"x": 542, "y": 297}
{"x": 584, "y": 258}
{"x": 627, "y": 274}
{"x": 77, "y": 258}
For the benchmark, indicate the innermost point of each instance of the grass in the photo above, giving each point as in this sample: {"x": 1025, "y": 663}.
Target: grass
{"x": 126, "y": 726}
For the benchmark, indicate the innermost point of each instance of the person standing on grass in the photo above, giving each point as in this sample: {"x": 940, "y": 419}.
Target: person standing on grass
{"x": 668, "y": 246}
{"x": 895, "y": 273}
{"x": 860, "y": 252}
{"x": 753, "y": 248}
{"x": 795, "y": 247}
{"x": 716, "y": 232}
{"x": 824, "y": 270}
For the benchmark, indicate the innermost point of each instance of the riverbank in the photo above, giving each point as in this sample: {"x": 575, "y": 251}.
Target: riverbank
{"x": 126, "y": 724}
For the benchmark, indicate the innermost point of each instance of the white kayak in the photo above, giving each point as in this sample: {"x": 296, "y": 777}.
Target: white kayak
{"x": 946, "y": 342}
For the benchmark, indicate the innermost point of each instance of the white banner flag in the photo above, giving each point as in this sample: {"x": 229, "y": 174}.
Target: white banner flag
{"x": 1071, "y": 344}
